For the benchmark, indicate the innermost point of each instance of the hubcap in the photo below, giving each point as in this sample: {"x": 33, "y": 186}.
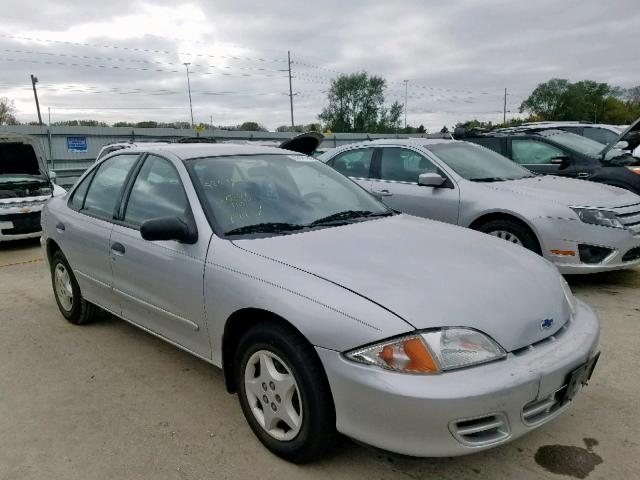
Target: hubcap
{"x": 273, "y": 395}
{"x": 64, "y": 291}
{"x": 508, "y": 236}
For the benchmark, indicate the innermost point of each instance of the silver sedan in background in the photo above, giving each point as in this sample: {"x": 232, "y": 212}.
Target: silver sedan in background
{"x": 326, "y": 311}
{"x": 580, "y": 226}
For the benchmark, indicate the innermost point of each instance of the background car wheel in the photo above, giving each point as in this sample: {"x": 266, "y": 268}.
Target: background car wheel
{"x": 284, "y": 393}
{"x": 67, "y": 292}
{"x": 512, "y": 232}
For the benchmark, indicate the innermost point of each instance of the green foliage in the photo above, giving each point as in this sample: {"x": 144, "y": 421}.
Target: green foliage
{"x": 80, "y": 123}
{"x": 586, "y": 100}
{"x": 251, "y": 127}
{"x": 356, "y": 104}
{"x": 310, "y": 127}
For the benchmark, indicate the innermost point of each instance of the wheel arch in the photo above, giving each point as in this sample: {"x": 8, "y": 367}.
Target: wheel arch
{"x": 487, "y": 217}
{"x": 51, "y": 248}
{"x": 235, "y": 327}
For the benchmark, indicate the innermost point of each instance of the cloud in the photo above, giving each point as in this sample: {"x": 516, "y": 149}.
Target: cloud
{"x": 458, "y": 56}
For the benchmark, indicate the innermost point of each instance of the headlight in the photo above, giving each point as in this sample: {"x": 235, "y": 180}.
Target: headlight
{"x": 571, "y": 300}
{"x": 634, "y": 169}
{"x": 598, "y": 217}
{"x": 430, "y": 352}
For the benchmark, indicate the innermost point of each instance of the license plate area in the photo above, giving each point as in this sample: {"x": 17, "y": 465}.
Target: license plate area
{"x": 576, "y": 379}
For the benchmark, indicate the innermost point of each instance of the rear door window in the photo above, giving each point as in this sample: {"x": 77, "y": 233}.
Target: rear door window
{"x": 600, "y": 135}
{"x": 108, "y": 182}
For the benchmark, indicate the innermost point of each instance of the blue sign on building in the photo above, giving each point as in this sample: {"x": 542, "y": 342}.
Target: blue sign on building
{"x": 77, "y": 144}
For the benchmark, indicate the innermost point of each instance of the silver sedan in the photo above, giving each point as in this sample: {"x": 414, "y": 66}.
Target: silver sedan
{"x": 580, "y": 226}
{"x": 326, "y": 311}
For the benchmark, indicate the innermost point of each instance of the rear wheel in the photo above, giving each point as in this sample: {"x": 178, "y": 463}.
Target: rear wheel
{"x": 284, "y": 393}
{"x": 512, "y": 232}
{"x": 67, "y": 292}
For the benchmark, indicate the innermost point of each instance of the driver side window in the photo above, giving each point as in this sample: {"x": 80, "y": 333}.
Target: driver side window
{"x": 403, "y": 165}
{"x": 533, "y": 152}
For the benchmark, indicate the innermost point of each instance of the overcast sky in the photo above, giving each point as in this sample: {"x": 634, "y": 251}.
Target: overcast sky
{"x": 123, "y": 59}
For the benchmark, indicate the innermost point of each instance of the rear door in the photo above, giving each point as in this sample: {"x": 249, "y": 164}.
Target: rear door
{"x": 160, "y": 284}
{"x": 541, "y": 157}
{"x": 84, "y": 230}
{"x": 355, "y": 164}
{"x": 397, "y": 185}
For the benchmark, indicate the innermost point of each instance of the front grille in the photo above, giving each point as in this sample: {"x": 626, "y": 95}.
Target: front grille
{"x": 481, "y": 431}
{"x": 538, "y": 411}
{"x": 629, "y": 216}
{"x": 551, "y": 338}
{"x": 22, "y": 223}
{"x": 631, "y": 255}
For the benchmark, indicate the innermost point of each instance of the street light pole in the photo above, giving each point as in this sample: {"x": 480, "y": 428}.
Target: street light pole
{"x": 405, "y": 103}
{"x": 186, "y": 64}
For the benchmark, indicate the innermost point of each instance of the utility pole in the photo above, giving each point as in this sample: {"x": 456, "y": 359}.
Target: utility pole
{"x": 405, "y": 103}
{"x": 34, "y": 80}
{"x": 186, "y": 64}
{"x": 504, "y": 109}
{"x": 290, "y": 88}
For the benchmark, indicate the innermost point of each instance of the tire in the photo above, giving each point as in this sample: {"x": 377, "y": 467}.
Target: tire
{"x": 310, "y": 400}
{"x": 513, "y": 232}
{"x": 75, "y": 309}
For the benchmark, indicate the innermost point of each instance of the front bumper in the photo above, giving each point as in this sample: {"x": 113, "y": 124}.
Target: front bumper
{"x": 429, "y": 415}
{"x": 559, "y": 237}
{"x": 20, "y": 220}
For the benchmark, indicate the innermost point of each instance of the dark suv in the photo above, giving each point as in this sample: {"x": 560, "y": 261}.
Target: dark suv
{"x": 557, "y": 152}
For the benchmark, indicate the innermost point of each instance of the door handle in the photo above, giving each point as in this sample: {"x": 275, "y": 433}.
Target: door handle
{"x": 60, "y": 227}
{"x": 383, "y": 193}
{"x": 117, "y": 248}
{"x": 583, "y": 175}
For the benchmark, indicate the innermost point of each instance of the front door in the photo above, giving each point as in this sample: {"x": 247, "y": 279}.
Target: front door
{"x": 160, "y": 284}
{"x": 397, "y": 186}
{"x": 355, "y": 164}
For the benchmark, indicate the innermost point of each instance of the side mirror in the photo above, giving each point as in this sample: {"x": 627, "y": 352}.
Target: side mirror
{"x": 621, "y": 145}
{"x": 167, "y": 228}
{"x": 430, "y": 180}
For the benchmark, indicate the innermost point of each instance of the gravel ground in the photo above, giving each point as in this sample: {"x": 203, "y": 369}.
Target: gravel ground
{"x": 107, "y": 401}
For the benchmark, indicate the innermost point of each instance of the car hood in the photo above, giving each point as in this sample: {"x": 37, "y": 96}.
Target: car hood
{"x": 431, "y": 275}
{"x": 21, "y": 154}
{"x": 568, "y": 191}
{"x": 633, "y": 128}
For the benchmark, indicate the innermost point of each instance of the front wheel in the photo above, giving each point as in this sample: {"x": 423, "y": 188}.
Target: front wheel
{"x": 284, "y": 393}
{"x": 512, "y": 232}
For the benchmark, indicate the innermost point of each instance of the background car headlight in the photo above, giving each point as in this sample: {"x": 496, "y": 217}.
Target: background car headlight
{"x": 598, "y": 217}
{"x": 430, "y": 352}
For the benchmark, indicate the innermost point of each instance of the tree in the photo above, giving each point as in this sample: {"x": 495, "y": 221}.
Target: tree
{"x": 548, "y": 99}
{"x": 444, "y": 129}
{"x": 356, "y": 104}
{"x": 7, "y": 112}
{"x": 251, "y": 127}
{"x": 80, "y": 123}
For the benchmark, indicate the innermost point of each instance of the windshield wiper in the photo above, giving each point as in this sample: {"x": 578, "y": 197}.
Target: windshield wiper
{"x": 488, "y": 179}
{"x": 268, "y": 227}
{"x": 347, "y": 215}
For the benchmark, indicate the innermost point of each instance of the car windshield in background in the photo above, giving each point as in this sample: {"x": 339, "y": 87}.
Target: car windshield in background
{"x": 477, "y": 163}
{"x": 588, "y": 147}
{"x": 279, "y": 194}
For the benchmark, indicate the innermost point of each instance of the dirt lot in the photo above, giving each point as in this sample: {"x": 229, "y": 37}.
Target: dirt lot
{"x": 107, "y": 401}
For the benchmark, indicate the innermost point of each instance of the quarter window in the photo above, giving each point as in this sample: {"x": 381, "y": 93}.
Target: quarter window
{"x": 157, "y": 192}
{"x": 533, "y": 152}
{"x": 107, "y": 184}
{"x": 78, "y": 195}
{"x": 354, "y": 163}
{"x": 403, "y": 165}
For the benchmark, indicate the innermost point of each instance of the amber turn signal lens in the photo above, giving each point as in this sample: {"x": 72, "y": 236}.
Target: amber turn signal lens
{"x": 409, "y": 355}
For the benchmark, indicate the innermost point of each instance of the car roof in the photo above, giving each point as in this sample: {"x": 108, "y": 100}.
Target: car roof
{"x": 559, "y": 124}
{"x": 397, "y": 141}
{"x": 186, "y": 151}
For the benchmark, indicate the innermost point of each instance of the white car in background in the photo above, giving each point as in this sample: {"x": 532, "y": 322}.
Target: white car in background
{"x": 25, "y": 185}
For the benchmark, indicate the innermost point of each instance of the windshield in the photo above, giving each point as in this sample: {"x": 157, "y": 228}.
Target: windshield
{"x": 279, "y": 193}
{"x": 589, "y": 147}
{"x": 477, "y": 163}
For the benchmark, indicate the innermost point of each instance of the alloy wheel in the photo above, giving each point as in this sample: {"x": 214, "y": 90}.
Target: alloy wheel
{"x": 64, "y": 290}
{"x": 508, "y": 236}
